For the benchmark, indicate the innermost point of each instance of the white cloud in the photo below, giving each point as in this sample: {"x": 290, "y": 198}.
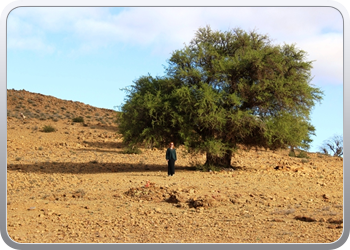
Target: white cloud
{"x": 327, "y": 51}
{"x": 316, "y": 30}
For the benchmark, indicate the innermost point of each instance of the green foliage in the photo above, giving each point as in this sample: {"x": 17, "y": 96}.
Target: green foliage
{"x": 132, "y": 150}
{"x": 147, "y": 116}
{"x": 291, "y": 153}
{"x": 78, "y": 119}
{"x": 221, "y": 90}
{"x": 302, "y": 154}
{"x": 48, "y": 129}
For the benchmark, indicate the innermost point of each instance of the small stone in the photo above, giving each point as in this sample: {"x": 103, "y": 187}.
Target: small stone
{"x": 322, "y": 220}
{"x": 31, "y": 208}
{"x": 305, "y": 218}
{"x": 278, "y": 220}
{"x": 200, "y": 209}
{"x": 325, "y": 196}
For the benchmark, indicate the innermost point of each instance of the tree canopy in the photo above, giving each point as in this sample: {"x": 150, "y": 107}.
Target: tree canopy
{"x": 222, "y": 90}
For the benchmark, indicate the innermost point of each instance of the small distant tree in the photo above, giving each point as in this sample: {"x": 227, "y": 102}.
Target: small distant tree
{"x": 333, "y": 146}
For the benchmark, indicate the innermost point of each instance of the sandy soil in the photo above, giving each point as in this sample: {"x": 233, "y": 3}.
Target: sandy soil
{"x": 76, "y": 185}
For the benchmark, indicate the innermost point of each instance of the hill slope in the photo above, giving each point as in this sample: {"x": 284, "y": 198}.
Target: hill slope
{"x": 44, "y": 108}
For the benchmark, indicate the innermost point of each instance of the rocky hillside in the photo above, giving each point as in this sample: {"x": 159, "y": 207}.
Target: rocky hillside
{"x": 48, "y": 108}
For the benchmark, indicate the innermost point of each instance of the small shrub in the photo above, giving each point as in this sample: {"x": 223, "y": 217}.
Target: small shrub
{"x": 291, "y": 154}
{"x": 304, "y": 161}
{"x": 48, "y": 129}
{"x": 94, "y": 162}
{"x": 289, "y": 211}
{"x": 132, "y": 150}
{"x": 18, "y": 158}
{"x": 63, "y": 108}
{"x": 303, "y": 154}
{"x": 40, "y": 148}
{"x": 78, "y": 119}
{"x": 81, "y": 192}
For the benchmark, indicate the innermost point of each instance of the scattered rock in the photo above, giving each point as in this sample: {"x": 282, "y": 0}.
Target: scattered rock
{"x": 335, "y": 221}
{"x": 325, "y": 196}
{"x": 173, "y": 199}
{"x": 335, "y": 226}
{"x": 305, "y": 218}
{"x": 277, "y": 220}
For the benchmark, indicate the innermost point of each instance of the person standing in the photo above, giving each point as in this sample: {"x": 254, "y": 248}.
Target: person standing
{"x": 171, "y": 158}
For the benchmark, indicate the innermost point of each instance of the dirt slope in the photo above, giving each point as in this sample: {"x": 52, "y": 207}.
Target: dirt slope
{"x": 76, "y": 185}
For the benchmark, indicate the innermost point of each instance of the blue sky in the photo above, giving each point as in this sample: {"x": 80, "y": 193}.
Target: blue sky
{"x": 89, "y": 54}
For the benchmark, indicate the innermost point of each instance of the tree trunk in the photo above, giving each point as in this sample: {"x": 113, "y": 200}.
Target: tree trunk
{"x": 224, "y": 161}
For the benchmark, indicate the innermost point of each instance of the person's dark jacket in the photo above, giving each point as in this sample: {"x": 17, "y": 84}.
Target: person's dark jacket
{"x": 170, "y": 154}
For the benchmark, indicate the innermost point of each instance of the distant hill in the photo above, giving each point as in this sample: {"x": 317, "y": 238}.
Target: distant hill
{"x": 43, "y": 107}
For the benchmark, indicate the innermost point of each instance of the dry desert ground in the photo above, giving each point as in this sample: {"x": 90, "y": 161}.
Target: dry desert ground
{"x": 75, "y": 185}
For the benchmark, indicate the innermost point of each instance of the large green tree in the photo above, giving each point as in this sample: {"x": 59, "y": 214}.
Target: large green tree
{"x": 222, "y": 90}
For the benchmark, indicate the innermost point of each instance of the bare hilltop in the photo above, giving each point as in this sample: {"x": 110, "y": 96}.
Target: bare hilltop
{"x": 71, "y": 180}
